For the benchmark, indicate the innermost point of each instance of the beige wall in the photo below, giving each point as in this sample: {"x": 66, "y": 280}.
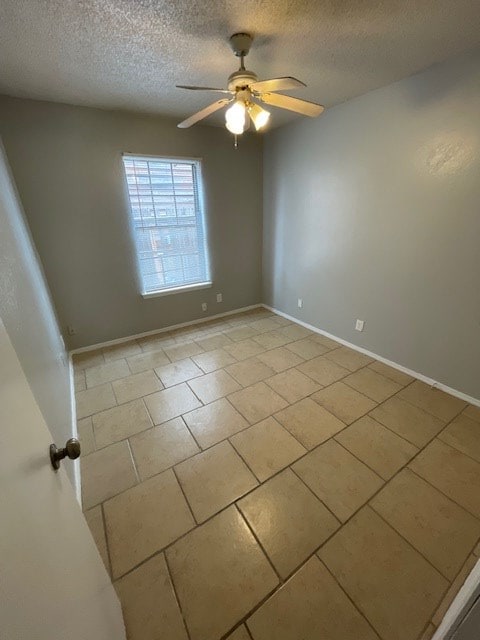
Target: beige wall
{"x": 373, "y": 212}
{"x": 67, "y": 165}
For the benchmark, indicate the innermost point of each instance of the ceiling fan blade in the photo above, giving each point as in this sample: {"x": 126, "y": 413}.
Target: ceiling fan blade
{"x": 193, "y": 88}
{"x": 277, "y": 84}
{"x": 293, "y": 104}
{"x": 215, "y": 106}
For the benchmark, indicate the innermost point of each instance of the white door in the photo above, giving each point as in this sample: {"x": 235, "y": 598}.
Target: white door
{"x": 53, "y": 585}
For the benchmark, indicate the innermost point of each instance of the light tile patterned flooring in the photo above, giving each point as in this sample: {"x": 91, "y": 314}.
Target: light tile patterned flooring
{"x": 247, "y": 478}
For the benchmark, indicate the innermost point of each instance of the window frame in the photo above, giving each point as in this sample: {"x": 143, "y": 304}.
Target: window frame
{"x": 197, "y": 163}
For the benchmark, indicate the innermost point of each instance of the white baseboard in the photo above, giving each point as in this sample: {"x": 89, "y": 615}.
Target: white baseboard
{"x": 145, "y": 334}
{"x": 390, "y": 363}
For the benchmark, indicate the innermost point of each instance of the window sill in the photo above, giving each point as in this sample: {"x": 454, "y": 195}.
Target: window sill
{"x": 173, "y": 290}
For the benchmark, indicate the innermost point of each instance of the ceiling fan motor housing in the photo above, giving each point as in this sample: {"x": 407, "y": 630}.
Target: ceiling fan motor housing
{"x": 241, "y": 79}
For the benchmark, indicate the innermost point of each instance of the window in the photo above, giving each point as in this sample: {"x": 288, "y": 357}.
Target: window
{"x": 168, "y": 223}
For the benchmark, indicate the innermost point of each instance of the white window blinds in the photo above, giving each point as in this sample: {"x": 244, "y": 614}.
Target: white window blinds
{"x": 168, "y": 222}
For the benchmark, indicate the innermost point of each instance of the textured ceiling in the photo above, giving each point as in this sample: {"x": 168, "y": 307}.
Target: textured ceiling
{"x": 129, "y": 54}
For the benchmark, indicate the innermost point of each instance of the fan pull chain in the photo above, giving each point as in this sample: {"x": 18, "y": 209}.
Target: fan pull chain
{"x": 235, "y": 141}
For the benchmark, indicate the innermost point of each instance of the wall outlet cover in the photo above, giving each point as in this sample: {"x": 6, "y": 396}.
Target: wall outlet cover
{"x": 219, "y": 297}
{"x": 359, "y": 324}
{"x": 300, "y": 303}
{"x": 204, "y": 306}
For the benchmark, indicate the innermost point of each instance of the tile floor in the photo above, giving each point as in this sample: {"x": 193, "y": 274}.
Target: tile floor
{"x": 248, "y": 479}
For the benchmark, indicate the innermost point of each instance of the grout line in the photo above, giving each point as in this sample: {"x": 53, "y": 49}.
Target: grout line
{"x": 174, "y": 589}
{"x": 250, "y": 528}
{"x": 356, "y": 606}
{"x": 197, "y": 523}
{"x": 316, "y": 497}
{"x": 107, "y": 545}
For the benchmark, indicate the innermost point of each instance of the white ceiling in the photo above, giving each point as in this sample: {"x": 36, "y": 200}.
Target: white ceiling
{"x": 129, "y": 54}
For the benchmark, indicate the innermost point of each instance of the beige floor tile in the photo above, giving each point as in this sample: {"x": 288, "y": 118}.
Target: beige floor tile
{"x": 271, "y": 339}
{"x": 472, "y": 412}
{"x": 310, "y": 423}
{"x": 177, "y": 372}
{"x": 433, "y": 400}
{"x": 453, "y": 473}
{"x": 149, "y": 606}
{"x": 389, "y": 372}
{"x": 145, "y": 519}
{"x": 390, "y": 582}
{"x": 454, "y": 589}
{"x": 156, "y": 341}
{"x": 410, "y": 422}
{"x": 267, "y": 447}
{"x": 120, "y": 422}
{"x": 148, "y": 360}
{"x": 214, "y": 422}
{"x": 327, "y": 342}
{"x": 244, "y": 349}
{"x": 240, "y": 633}
{"x": 220, "y": 573}
{"x": 265, "y": 324}
{"x": 257, "y": 402}
{"x": 94, "y": 518}
{"x": 136, "y": 386}
{"x": 463, "y": 434}
{"x": 288, "y": 520}
{"x": 292, "y": 385}
{"x": 341, "y": 481}
{"x": 295, "y": 332}
{"x": 378, "y": 447}
{"x": 88, "y": 359}
{"x": 122, "y": 350}
{"x": 310, "y": 606}
{"x": 213, "y": 360}
{"x": 106, "y": 473}
{"x": 372, "y": 384}
{"x": 443, "y": 532}
{"x": 106, "y": 372}
{"x": 213, "y": 479}
{"x": 161, "y": 447}
{"x": 250, "y": 371}
{"x": 170, "y": 403}
{"x": 349, "y": 358}
{"x": 343, "y": 401}
{"x": 181, "y": 351}
{"x": 280, "y": 359}
{"x": 85, "y": 435}
{"x": 323, "y": 371}
{"x": 213, "y": 386}
{"x": 213, "y": 342}
{"x": 241, "y": 333}
{"x": 307, "y": 348}
{"x": 79, "y": 381}
{"x": 93, "y": 400}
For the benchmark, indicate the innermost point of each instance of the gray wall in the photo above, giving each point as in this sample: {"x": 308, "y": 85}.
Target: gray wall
{"x": 373, "y": 212}
{"x": 67, "y": 165}
{"x": 28, "y": 316}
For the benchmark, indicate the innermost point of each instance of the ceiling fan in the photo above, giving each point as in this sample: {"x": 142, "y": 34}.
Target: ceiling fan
{"x": 245, "y": 92}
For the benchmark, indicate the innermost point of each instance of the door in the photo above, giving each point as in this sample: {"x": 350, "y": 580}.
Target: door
{"x": 469, "y": 628}
{"x": 53, "y": 585}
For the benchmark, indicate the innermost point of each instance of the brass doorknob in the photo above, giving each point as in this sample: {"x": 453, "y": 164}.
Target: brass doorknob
{"x": 71, "y": 450}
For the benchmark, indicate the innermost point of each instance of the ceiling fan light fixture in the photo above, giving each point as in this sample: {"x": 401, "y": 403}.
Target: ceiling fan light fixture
{"x": 259, "y": 116}
{"x": 236, "y": 118}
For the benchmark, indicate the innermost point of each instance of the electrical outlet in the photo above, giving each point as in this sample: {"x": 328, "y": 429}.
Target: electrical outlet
{"x": 359, "y": 324}
{"x": 219, "y": 297}
{"x": 204, "y": 306}
{"x": 300, "y": 303}
{"x": 71, "y": 330}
